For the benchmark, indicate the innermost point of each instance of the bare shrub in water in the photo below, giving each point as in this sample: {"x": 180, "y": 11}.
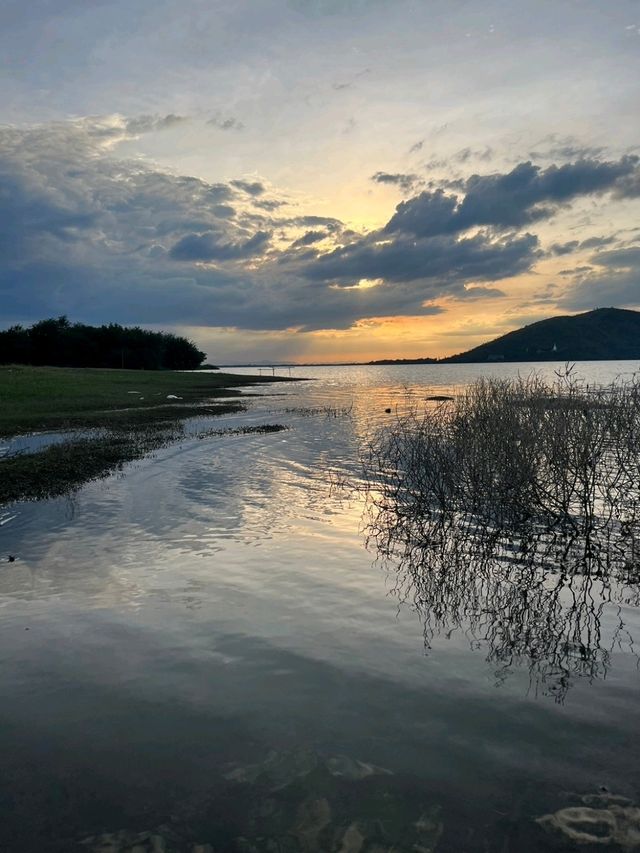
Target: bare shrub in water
{"x": 511, "y": 513}
{"x": 513, "y": 453}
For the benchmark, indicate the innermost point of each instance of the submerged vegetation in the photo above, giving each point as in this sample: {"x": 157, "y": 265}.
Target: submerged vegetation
{"x": 513, "y": 512}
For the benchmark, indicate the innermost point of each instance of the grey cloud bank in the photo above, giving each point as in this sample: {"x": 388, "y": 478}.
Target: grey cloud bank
{"x": 521, "y": 197}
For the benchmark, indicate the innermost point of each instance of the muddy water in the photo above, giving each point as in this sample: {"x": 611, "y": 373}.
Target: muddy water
{"x": 202, "y": 651}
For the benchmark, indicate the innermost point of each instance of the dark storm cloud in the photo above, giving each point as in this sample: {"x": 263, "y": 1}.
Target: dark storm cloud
{"x": 404, "y": 181}
{"x": 209, "y": 247}
{"x": 518, "y": 198}
{"x": 529, "y": 193}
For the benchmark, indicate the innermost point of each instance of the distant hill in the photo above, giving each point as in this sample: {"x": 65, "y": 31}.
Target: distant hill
{"x": 606, "y": 333}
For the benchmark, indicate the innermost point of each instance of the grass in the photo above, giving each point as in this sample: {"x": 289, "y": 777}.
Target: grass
{"x": 132, "y": 424}
{"x": 43, "y": 398}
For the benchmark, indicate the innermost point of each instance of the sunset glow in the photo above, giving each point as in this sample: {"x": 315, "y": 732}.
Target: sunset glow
{"x": 319, "y": 180}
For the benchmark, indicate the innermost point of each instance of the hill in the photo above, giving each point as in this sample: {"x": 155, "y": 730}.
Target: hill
{"x": 606, "y": 333}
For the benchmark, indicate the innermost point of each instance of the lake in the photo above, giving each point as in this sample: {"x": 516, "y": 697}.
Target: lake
{"x": 203, "y": 651}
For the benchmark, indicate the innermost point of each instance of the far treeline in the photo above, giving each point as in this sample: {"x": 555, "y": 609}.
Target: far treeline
{"x": 60, "y": 343}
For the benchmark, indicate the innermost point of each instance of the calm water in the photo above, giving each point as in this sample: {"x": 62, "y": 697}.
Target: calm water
{"x": 173, "y": 640}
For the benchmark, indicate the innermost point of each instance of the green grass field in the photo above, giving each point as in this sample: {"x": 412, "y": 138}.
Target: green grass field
{"x": 42, "y": 398}
{"x": 33, "y": 399}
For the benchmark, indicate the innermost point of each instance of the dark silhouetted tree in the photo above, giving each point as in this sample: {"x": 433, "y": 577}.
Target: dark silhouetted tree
{"x": 59, "y": 343}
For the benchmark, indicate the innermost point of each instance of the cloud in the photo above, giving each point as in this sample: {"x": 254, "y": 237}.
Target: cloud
{"x": 253, "y": 188}
{"x": 596, "y": 242}
{"x": 518, "y": 198}
{"x": 147, "y": 124}
{"x": 573, "y": 271}
{"x": 574, "y": 245}
{"x": 444, "y": 264}
{"x": 404, "y": 181}
{"x": 614, "y": 281}
{"x": 555, "y": 147}
{"x": 466, "y": 154}
{"x": 311, "y": 221}
{"x": 223, "y": 122}
{"x": 269, "y": 203}
{"x": 627, "y": 258}
{"x": 102, "y": 238}
{"x": 425, "y": 215}
{"x": 564, "y": 248}
{"x": 209, "y": 247}
{"x": 629, "y": 186}
{"x": 309, "y": 238}
{"x": 338, "y": 87}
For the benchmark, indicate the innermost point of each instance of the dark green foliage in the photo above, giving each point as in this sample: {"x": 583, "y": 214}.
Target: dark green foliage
{"x": 606, "y": 333}
{"x": 59, "y": 343}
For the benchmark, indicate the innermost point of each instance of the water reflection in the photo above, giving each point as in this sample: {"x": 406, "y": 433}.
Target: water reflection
{"x": 177, "y": 640}
{"x": 513, "y": 514}
{"x": 546, "y": 601}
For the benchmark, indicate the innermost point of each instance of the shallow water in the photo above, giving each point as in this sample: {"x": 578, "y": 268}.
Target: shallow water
{"x": 215, "y": 608}
{"x": 35, "y": 441}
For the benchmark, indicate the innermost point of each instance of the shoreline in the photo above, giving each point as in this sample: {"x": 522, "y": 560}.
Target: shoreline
{"x": 133, "y": 423}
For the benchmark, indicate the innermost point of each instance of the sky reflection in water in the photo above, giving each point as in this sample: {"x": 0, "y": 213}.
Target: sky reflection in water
{"x": 217, "y": 603}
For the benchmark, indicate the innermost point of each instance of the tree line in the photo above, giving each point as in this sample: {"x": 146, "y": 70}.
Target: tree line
{"x": 60, "y": 343}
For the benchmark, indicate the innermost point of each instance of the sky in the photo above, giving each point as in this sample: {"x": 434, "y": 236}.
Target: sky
{"x": 319, "y": 180}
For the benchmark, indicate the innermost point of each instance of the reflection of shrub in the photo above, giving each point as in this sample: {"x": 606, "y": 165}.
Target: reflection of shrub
{"x": 517, "y": 451}
{"x": 511, "y": 513}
